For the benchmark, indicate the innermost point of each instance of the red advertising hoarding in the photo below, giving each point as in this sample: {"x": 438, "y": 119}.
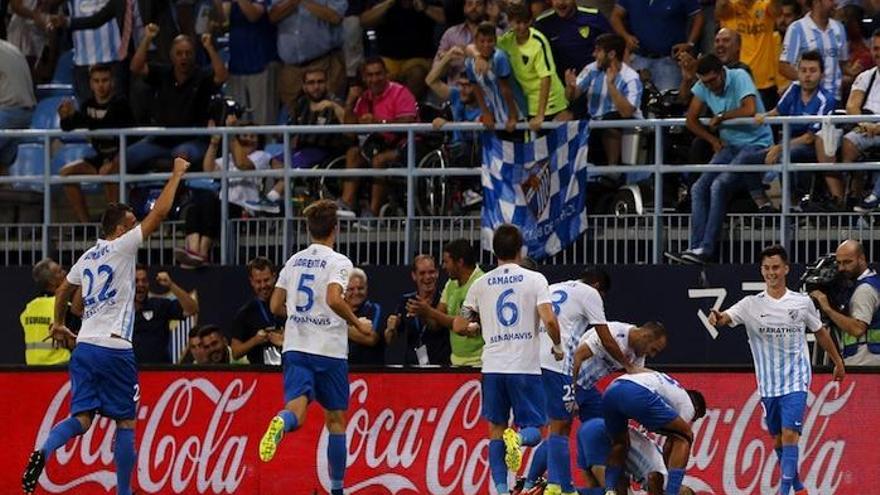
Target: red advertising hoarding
{"x": 409, "y": 433}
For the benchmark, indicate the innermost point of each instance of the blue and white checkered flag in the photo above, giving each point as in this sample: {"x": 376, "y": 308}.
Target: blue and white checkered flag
{"x": 540, "y": 187}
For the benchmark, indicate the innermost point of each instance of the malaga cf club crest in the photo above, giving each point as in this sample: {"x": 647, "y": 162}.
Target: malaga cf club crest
{"x": 793, "y": 314}
{"x": 536, "y": 189}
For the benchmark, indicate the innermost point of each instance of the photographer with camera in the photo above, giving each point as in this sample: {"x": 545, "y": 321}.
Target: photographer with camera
{"x": 860, "y": 328}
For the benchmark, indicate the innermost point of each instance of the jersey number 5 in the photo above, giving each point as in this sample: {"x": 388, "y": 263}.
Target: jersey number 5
{"x": 105, "y": 293}
{"x": 506, "y": 311}
{"x": 305, "y": 282}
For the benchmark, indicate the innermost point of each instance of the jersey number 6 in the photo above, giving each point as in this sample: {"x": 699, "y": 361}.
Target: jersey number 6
{"x": 506, "y": 311}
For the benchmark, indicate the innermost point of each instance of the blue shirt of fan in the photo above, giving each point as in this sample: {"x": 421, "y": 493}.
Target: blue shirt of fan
{"x": 462, "y": 112}
{"x": 659, "y": 24}
{"x": 572, "y": 39}
{"x": 252, "y": 45}
{"x": 791, "y": 104}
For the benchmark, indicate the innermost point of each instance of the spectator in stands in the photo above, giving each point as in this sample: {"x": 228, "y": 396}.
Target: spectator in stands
{"x": 613, "y": 90}
{"x": 572, "y": 31}
{"x": 460, "y": 264}
{"x": 655, "y": 32}
{"x": 103, "y": 110}
{"x": 252, "y": 48}
{"x": 460, "y": 36}
{"x": 729, "y": 94}
{"x": 533, "y": 66}
{"x": 863, "y": 99}
{"x": 353, "y": 39}
{"x": 425, "y": 339}
{"x": 39, "y": 349}
{"x": 152, "y": 333}
{"x": 405, "y": 32}
{"x": 17, "y": 100}
{"x": 183, "y": 92}
{"x": 817, "y": 31}
{"x": 194, "y": 353}
{"x": 255, "y": 331}
{"x": 315, "y": 106}
{"x": 29, "y": 28}
{"x": 382, "y": 102}
{"x": 804, "y": 97}
{"x": 498, "y": 93}
{"x": 309, "y": 37}
{"x": 216, "y": 347}
{"x": 726, "y": 48}
{"x": 858, "y": 334}
{"x": 363, "y": 350}
{"x": 202, "y": 216}
{"x": 789, "y": 11}
{"x": 754, "y": 21}
{"x": 459, "y": 94}
{"x": 859, "y": 52}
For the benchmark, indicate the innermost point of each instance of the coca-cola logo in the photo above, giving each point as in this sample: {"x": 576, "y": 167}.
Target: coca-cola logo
{"x": 178, "y": 450}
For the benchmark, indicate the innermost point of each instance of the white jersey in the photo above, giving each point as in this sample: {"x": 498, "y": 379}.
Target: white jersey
{"x": 577, "y": 307}
{"x": 666, "y": 387}
{"x": 602, "y": 364}
{"x": 106, "y": 274}
{"x": 507, "y": 299}
{"x": 313, "y": 327}
{"x": 777, "y": 336}
{"x": 643, "y": 457}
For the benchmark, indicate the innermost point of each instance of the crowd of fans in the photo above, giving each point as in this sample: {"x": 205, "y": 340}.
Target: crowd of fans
{"x": 499, "y": 62}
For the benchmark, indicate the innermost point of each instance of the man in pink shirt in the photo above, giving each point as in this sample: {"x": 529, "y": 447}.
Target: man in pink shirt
{"x": 383, "y": 102}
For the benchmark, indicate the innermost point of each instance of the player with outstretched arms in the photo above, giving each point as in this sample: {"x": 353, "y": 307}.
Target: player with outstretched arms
{"x": 509, "y": 302}
{"x": 103, "y": 371}
{"x": 776, "y": 321}
{"x": 309, "y": 292}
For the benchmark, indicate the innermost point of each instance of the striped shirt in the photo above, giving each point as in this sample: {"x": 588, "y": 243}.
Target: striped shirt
{"x": 804, "y": 35}
{"x": 490, "y": 85}
{"x": 791, "y": 104}
{"x": 777, "y": 337}
{"x": 578, "y": 308}
{"x": 592, "y": 81}
{"x": 602, "y": 364}
{"x": 94, "y": 46}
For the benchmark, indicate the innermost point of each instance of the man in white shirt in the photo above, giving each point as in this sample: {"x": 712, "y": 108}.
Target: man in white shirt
{"x": 310, "y": 293}
{"x": 660, "y": 404}
{"x": 103, "y": 371}
{"x": 777, "y": 320}
{"x": 508, "y": 303}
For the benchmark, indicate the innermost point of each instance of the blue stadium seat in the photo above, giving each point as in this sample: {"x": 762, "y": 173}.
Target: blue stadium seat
{"x": 46, "y": 113}
{"x": 44, "y": 91}
{"x": 64, "y": 69}
{"x": 276, "y": 150}
{"x": 29, "y": 161}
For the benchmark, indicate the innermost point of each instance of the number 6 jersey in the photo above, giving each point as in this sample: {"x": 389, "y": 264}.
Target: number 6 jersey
{"x": 313, "y": 327}
{"x": 506, "y": 300}
{"x": 106, "y": 274}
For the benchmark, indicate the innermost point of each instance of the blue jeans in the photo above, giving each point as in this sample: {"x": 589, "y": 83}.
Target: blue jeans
{"x": 799, "y": 153}
{"x": 12, "y": 118}
{"x": 712, "y": 191}
{"x": 664, "y": 71}
{"x": 139, "y": 155}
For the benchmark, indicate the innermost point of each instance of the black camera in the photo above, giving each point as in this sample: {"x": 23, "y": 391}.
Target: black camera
{"x": 221, "y": 107}
{"x": 822, "y": 275}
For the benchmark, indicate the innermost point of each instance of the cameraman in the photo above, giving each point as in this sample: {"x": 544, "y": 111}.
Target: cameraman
{"x": 860, "y": 330}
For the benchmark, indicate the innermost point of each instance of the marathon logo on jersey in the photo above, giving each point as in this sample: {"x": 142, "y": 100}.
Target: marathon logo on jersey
{"x": 536, "y": 189}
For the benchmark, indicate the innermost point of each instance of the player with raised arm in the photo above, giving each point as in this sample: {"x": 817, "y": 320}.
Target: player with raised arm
{"x": 309, "y": 292}
{"x": 509, "y": 302}
{"x": 660, "y": 404}
{"x": 103, "y": 371}
{"x": 578, "y": 307}
{"x": 776, "y": 321}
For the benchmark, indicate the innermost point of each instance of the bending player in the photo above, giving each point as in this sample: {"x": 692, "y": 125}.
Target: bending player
{"x": 776, "y": 321}
{"x": 309, "y": 292}
{"x": 660, "y": 404}
{"x": 509, "y": 301}
{"x": 103, "y": 372}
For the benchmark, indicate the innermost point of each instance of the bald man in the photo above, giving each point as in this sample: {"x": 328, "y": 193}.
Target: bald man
{"x": 728, "y": 44}
{"x": 860, "y": 329}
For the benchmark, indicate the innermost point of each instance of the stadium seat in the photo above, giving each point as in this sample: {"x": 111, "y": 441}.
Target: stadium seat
{"x": 276, "y": 150}
{"x": 44, "y": 91}
{"x": 64, "y": 69}
{"x": 46, "y": 113}
{"x": 29, "y": 161}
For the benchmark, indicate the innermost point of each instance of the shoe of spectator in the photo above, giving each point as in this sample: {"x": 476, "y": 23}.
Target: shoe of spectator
{"x": 343, "y": 210}
{"x": 265, "y": 205}
{"x": 471, "y": 198}
{"x": 187, "y": 259}
{"x": 689, "y": 257}
{"x": 768, "y": 209}
{"x": 867, "y": 205}
{"x": 366, "y": 222}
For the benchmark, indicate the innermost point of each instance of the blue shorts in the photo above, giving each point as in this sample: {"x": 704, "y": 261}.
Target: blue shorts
{"x": 559, "y": 392}
{"x": 589, "y": 401}
{"x": 520, "y": 392}
{"x": 320, "y": 378}
{"x": 625, "y": 400}
{"x": 785, "y": 411}
{"x": 105, "y": 380}
{"x": 593, "y": 444}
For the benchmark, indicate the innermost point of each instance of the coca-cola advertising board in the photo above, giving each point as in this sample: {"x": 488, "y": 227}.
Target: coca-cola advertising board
{"x": 408, "y": 433}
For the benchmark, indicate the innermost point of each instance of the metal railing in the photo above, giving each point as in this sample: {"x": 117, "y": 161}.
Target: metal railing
{"x": 397, "y": 240}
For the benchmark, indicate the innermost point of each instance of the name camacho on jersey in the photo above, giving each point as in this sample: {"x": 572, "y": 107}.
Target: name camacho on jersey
{"x": 666, "y": 387}
{"x": 106, "y": 274}
{"x": 777, "y": 337}
{"x": 506, "y": 300}
{"x": 601, "y": 364}
{"x": 577, "y": 307}
{"x": 313, "y": 327}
